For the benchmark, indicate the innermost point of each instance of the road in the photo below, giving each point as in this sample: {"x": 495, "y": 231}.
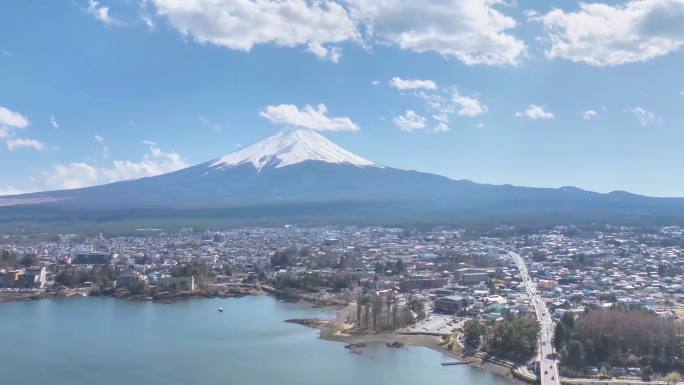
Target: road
{"x": 547, "y": 357}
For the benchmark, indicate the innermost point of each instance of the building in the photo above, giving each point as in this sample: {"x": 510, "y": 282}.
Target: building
{"x": 407, "y": 285}
{"x": 452, "y": 304}
{"x": 92, "y": 258}
{"x": 11, "y": 277}
{"x": 32, "y": 278}
{"x": 471, "y": 275}
{"x": 177, "y": 283}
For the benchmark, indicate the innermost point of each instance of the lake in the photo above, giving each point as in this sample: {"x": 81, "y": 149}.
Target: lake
{"x": 105, "y": 341}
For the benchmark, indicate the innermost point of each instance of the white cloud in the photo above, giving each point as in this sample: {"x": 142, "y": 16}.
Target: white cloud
{"x": 72, "y": 175}
{"x": 10, "y": 190}
{"x": 377, "y": 83}
{"x": 455, "y": 103}
{"x": 412, "y": 84}
{"x": 82, "y": 174}
{"x": 589, "y": 114}
{"x": 149, "y": 143}
{"x": 326, "y": 53}
{"x": 241, "y": 24}
{"x": 437, "y": 102}
{"x": 10, "y": 120}
{"x": 535, "y": 112}
{"x": 98, "y": 138}
{"x": 444, "y": 118}
{"x": 601, "y": 34}
{"x": 645, "y": 117}
{"x": 442, "y": 122}
{"x": 410, "y": 121}
{"x": 144, "y": 15}
{"x": 153, "y": 163}
{"x": 19, "y": 143}
{"x": 531, "y": 13}
{"x": 53, "y": 122}
{"x": 468, "y": 106}
{"x": 681, "y": 92}
{"x": 473, "y": 31}
{"x": 311, "y": 117}
{"x": 479, "y": 125}
{"x": 101, "y": 13}
{"x": 214, "y": 126}
{"x": 441, "y": 127}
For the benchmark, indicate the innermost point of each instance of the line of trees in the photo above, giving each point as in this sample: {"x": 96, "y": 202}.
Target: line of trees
{"x": 313, "y": 282}
{"x": 10, "y": 259}
{"x": 620, "y": 338}
{"x": 102, "y": 276}
{"x": 390, "y": 268}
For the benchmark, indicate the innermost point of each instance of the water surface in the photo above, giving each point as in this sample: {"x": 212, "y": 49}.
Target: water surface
{"x": 105, "y": 341}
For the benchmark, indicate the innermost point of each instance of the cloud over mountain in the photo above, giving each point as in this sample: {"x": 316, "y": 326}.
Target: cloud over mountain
{"x": 315, "y": 118}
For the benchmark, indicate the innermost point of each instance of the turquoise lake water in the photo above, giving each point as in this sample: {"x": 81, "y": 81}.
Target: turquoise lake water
{"x": 105, "y": 341}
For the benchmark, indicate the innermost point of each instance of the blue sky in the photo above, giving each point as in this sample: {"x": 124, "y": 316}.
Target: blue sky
{"x": 486, "y": 90}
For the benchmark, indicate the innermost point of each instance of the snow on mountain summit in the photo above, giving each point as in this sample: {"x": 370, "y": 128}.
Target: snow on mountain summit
{"x": 291, "y": 147}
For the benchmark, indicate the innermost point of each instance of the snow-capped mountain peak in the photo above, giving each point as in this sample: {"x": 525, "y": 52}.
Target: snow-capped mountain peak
{"x": 291, "y": 147}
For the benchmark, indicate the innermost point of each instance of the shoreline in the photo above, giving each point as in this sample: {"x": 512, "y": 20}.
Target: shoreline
{"x": 336, "y": 329}
{"x": 213, "y": 291}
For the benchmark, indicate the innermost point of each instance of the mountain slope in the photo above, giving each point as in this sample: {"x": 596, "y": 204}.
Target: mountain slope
{"x": 301, "y": 167}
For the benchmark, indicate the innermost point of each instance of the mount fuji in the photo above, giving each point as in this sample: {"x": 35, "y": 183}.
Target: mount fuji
{"x": 301, "y": 169}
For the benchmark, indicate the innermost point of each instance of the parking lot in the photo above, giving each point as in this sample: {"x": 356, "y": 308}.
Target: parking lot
{"x": 437, "y": 323}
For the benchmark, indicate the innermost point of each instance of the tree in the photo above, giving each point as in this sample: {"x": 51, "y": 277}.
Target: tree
{"x": 559, "y": 336}
{"x": 284, "y": 258}
{"x": 7, "y": 259}
{"x": 473, "y": 331}
{"x": 28, "y": 260}
{"x": 200, "y": 271}
{"x": 575, "y": 354}
{"x": 418, "y": 307}
{"x": 672, "y": 378}
{"x": 646, "y": 373}
{"x": 623, "y": 337}
{"x": 138, "y": 287}
{"x": 399, "y": 267}
{"x": 568, "y": 321}
{"x": 515, "y": 339}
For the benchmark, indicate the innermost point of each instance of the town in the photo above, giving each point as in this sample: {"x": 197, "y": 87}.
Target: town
{"x": 443, "y": 281}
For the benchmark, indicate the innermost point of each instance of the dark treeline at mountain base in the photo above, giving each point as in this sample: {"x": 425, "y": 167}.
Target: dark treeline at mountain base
{"x": 620, "y": 339}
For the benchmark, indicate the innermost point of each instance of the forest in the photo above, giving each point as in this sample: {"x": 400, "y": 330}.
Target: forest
{"x": 619, "y": 338}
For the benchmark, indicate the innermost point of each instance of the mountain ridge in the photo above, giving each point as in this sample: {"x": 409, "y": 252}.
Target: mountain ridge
{"x": 301, "y": 167}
